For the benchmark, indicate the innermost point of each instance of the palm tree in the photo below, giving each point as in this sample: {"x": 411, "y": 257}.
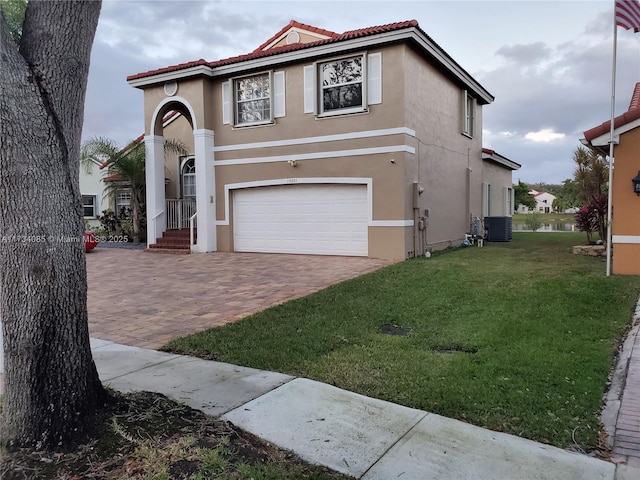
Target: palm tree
{"x": 591, "y": 173}
{"x": 127, "y": 170}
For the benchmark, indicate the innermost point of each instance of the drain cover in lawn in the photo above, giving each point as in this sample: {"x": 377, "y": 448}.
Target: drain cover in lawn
{"x": 389, "y": 329}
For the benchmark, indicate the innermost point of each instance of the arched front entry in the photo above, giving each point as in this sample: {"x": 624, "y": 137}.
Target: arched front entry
{"x": 204, "y": 176}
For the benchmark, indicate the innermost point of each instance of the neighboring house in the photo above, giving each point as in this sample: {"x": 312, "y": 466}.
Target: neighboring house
{"x": 625, "y": 222}
{"x": 362, "y": 143}
{"x": 497, "y": 184}
{"x": 92, "y": 191}
{"x": 544, "y": 203}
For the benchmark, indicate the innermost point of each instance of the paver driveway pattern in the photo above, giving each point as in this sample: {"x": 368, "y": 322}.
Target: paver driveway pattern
{"x": 144, "y": 300}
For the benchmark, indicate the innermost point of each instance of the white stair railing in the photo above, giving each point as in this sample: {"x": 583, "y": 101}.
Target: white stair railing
{"x": 179, "y": 211}
{"x": 192, "y": 221}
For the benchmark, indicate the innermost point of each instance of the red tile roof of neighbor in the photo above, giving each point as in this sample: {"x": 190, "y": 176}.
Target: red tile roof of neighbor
{"x": 259, "y": 52}
{"x": 627, "y": 117}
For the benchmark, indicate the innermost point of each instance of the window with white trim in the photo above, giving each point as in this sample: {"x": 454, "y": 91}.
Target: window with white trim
{"x": 252, "y": 96}
{"x": 343, "y": 85}
{"x": 123, "y": 200}
{"x": 468, "y": 114}
{"x": 189, "y": 179}
{"x": 253, "y": 100}
{"x": 89, "y": 206}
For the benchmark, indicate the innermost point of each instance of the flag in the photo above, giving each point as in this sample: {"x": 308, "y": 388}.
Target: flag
{"x": 628, "y": 14}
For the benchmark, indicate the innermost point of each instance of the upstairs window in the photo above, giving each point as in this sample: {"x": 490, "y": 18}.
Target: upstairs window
{"x": 468, "y": 114}
{"x": 341, "y": 85}
{"x": 253, "y": 99}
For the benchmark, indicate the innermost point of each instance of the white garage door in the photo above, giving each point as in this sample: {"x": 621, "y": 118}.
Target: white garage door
{"x": 315, "y": 219}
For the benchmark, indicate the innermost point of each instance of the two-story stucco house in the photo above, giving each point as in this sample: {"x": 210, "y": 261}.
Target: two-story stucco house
{"x": 625, "y": 201}
{"x": 362, "y": 143}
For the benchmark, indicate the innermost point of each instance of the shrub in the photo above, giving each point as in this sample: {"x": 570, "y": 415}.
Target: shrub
{"x": 533, "y": 221}
{"x": 109, "y": 221}
{"x": 593, "y": 218}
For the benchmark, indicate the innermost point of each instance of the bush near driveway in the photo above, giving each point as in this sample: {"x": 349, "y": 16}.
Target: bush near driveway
{"x": 517, "y": 337}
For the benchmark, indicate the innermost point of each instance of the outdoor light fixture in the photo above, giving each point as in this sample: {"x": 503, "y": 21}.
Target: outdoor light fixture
{"x": 636, "y": 184}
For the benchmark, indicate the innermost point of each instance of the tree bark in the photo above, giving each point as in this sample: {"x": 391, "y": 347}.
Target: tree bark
{"x": 51, "y": 383}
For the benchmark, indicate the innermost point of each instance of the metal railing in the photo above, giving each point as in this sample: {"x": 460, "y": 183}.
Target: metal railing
{"x": 179, "y": 213}
{"x": 153, "y": 222}
{"x": 192, "y": 221}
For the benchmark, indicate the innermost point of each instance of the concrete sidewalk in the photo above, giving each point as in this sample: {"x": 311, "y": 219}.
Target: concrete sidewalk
{"x": 364, "y": 437}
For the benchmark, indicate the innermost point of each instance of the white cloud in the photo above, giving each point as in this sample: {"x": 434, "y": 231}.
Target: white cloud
{"x": 545, "y": 135}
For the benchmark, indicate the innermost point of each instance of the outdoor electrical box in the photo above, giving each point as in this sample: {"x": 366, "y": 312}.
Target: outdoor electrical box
{"x": 418, "y": 191}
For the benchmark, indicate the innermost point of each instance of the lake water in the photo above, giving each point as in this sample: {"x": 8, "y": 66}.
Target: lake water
{"x": 548, "y": 227}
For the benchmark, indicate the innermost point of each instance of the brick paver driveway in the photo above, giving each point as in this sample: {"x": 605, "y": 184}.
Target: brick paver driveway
{"x": 143, "y": 299}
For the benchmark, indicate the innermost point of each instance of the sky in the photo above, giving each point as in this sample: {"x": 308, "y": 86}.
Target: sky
{"x": 547, "y": 63}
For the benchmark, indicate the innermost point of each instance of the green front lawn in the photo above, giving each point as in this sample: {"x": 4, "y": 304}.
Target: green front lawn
{"x": 517, "y": 337}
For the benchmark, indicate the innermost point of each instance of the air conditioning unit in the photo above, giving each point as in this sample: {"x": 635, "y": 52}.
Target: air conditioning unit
{"x": 499, "y": 229}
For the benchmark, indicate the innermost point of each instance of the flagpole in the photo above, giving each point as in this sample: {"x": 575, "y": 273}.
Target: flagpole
{"x": 611, "y": 133}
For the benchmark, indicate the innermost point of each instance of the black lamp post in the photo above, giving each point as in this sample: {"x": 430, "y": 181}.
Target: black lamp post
{"x": 636, "y": 184}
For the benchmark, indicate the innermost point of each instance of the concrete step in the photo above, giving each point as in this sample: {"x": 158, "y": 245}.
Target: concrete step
{"x": 171, "y": 246}
{"x": 173, "y": 241}
{"x": 170, "y": 251}
{"x": 184, "y": 233}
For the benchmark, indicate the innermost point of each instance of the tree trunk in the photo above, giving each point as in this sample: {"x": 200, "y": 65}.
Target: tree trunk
{"x": 51, "y": 383}
{"x": 135, "y": 216}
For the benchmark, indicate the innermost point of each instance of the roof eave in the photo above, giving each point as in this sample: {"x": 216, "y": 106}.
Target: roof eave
{"x": 171, "y": 75}
{"x": 267, "y": 61}
{"x": 500, "y": 160}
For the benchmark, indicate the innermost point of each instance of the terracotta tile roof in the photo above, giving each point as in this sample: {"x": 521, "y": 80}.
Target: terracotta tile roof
{"x": 258, "y": 53}
{"x": 116, "y": 177}
{"x": 301, "y": 26}
{"x": 635, "y": 98}
{"x": 627, "y": 117}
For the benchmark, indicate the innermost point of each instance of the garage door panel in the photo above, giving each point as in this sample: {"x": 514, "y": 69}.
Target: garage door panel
{"x": 316, "y": 219}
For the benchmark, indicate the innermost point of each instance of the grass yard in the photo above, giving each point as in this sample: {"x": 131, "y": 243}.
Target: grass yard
{"x": 546, "y": 218}
{"x": 517, "y": 337}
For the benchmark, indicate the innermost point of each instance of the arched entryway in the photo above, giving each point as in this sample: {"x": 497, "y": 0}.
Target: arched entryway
{"x": 199, "y": 172}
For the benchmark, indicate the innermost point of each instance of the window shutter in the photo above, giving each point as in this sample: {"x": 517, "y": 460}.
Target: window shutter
{"x": 309, "y": 89}
{"x": 226, "y": 102}
{"x": 374, "y": 80}
{"x": 278, "y": 95}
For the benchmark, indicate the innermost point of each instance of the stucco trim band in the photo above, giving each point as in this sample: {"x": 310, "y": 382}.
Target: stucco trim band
{"x": 318, "y": 139}
{"x": 634, "y": 239}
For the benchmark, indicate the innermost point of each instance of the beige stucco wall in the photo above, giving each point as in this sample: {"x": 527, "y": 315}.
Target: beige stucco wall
{"x": 499, "y": 178}
{"x": 447, "y": 162}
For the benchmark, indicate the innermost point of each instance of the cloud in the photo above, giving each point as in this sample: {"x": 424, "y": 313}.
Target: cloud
{"x": 552, "y": 77}
{"x": 546, "y": 135}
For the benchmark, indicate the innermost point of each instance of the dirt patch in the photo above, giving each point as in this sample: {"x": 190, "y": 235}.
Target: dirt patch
{"x": 145, "y": 435}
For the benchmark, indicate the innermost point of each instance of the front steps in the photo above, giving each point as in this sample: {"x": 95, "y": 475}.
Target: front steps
{"x": 175, "y": 242}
